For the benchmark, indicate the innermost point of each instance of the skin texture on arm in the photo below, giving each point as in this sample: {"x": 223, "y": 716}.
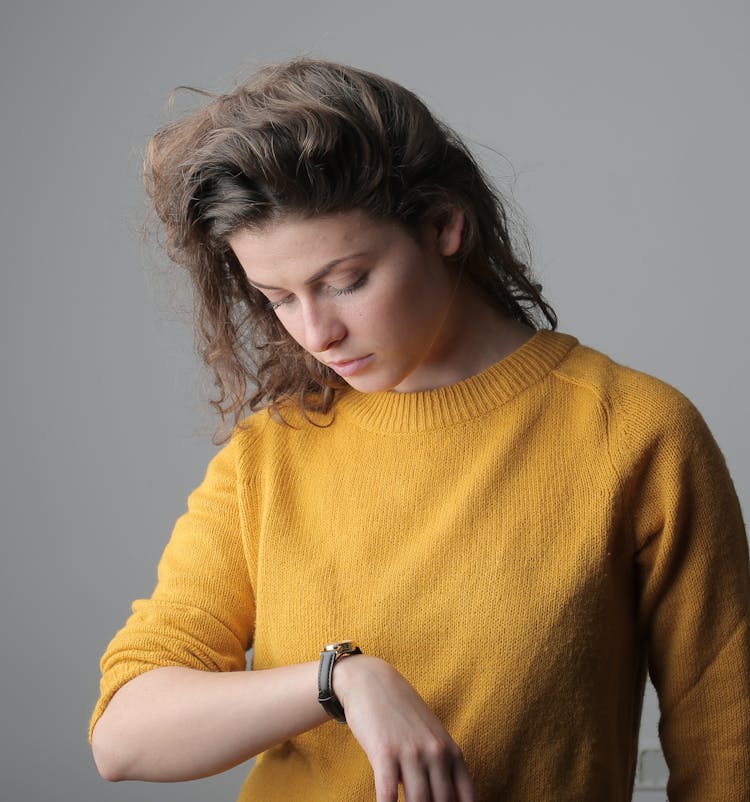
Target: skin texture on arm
{"x": 175, "y": 723}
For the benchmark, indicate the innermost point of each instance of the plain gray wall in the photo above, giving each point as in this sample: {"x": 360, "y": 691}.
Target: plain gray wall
{"x": 627, "y": 127}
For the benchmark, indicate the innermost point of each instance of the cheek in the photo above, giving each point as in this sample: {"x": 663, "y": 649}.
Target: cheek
{"x": 387, "y": 315}
{"x": 291, "y": 326}
{"x": 421, "y": 295}
{"x": 411, "y": 312}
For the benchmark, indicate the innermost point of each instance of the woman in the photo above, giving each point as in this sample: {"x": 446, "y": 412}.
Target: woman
{"x": 496, "y": 528}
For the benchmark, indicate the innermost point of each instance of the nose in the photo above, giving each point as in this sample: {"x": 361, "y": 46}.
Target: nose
{"x": 323, "y": 328}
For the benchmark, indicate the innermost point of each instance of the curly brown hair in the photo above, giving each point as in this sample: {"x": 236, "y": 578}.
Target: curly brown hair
{"x": 308, "y": 138}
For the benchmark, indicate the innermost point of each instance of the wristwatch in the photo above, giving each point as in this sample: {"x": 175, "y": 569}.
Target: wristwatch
{"x": 328, "y": 658}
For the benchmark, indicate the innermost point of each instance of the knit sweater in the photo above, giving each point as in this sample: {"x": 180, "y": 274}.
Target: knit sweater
{"x": 521, "y": 546}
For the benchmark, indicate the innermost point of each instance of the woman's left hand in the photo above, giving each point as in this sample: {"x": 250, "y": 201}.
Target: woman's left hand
{"x": 404, "y": 740}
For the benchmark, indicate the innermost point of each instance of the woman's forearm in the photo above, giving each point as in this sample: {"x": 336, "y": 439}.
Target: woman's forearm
{"x": 180, "y": 724}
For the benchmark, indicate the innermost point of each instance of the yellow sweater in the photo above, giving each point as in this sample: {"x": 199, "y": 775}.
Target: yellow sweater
{"x": 519, "y": 545}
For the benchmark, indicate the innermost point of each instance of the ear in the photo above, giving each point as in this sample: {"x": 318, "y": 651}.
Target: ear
{"x": 450, "y": 231}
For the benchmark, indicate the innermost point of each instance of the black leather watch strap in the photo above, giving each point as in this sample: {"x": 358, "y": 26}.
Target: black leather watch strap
{"x": 326, "y": 696}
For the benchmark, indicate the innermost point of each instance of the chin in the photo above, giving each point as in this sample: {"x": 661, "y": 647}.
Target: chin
{"x": 372, "y": 383}
{"x": 362, "y": 385}
{"x": 381, "y": 376}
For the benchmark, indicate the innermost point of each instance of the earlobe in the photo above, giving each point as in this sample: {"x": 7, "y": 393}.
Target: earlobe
{"x": 451, "y": 233}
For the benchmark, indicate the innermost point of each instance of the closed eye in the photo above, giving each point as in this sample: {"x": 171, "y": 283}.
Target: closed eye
{"x": 360, "y": 282}
{"x": 272, "y": 305}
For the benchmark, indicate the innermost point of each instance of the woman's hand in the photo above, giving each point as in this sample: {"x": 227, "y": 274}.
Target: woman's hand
{"x": 403, "y": 739}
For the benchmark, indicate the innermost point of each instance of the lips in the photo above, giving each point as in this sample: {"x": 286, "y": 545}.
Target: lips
{"x": 348, "y": 367}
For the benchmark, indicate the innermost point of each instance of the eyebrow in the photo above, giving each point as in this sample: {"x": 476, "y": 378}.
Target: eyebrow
{"x": 322, "y": 273}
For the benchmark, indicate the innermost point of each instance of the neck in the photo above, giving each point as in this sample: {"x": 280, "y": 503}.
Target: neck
{"x": 472, "y": 336}
{"x": 487, "y": 335}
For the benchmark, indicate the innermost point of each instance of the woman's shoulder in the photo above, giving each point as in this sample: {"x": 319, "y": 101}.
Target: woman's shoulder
{"x": 619, "y": 386}
{"x": 272, "y": 427}
{"x": 639, "y": 407}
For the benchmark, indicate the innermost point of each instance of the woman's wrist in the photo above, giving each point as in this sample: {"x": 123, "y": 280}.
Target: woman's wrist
{"x": 350, "y": 673}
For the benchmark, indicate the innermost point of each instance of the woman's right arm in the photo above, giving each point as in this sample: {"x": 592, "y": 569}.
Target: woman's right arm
{"x": 176, "y": 702}
{"x": 178, "y": 723}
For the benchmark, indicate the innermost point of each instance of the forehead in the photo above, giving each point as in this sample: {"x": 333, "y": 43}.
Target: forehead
{"x": 289, "y": 233}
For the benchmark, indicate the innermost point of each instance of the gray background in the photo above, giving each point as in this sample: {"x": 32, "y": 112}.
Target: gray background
{"x": 626, "y": 126}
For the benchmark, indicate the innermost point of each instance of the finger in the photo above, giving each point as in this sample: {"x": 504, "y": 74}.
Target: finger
{"x": 442, "y": 781}
{"x": 441, "y": 784}
{"x": 446, "y": 766}
{"x": 416, "y": 781}
{"x": 386, "y": 781}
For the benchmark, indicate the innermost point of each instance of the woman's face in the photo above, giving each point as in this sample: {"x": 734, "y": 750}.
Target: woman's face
{"x": 362, "y": 296}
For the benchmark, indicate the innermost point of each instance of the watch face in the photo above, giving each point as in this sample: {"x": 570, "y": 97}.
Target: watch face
{"x": 341, "y": 647}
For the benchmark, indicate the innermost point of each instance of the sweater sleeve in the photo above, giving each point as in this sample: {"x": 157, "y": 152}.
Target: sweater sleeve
{"x": 202, "y": 611}
{"x": 694, "y": 609}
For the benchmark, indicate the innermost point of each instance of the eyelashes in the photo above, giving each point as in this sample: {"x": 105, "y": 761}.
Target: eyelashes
{"x": 359, "y": 283}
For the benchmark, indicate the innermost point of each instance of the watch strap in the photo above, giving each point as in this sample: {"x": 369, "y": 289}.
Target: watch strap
{"x": 326, "y": 696}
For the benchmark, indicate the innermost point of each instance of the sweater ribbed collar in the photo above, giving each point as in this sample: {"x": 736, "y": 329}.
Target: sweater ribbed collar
{"x": 390, "y": 411}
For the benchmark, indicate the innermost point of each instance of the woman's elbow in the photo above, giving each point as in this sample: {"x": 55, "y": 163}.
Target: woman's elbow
{"x": 108, "y": 756}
